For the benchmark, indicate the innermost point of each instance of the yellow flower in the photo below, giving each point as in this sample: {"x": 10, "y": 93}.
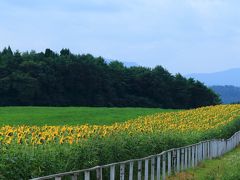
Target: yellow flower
{"x": 195, "y": 120}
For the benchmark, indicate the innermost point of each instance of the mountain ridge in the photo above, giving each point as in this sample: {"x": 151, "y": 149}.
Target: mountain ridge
{"x": 228, "y": 94}
{"x": 222, "y": 78}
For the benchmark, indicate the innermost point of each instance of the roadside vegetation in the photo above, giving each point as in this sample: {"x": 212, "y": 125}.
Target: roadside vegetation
{"x": 31, "y": 151}
{"x": 223, "y": 168}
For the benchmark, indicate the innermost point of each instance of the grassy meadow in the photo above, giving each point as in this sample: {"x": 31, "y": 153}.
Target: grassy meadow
{"x": 58, "y": 116}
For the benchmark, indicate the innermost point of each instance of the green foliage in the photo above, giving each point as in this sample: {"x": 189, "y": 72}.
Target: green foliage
{"x": 65, "y": 79}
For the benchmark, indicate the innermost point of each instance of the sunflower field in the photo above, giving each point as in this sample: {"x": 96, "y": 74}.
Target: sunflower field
{"x": 31, "y": 151}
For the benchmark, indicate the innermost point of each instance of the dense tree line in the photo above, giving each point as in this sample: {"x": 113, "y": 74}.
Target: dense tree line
{"x": 65, "y": 79}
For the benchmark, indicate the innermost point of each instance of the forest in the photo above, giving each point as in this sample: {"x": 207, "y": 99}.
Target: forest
{"x": 66, "y": 79}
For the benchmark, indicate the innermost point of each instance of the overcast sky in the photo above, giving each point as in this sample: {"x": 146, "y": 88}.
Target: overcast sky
{"x": 182, "y": 35}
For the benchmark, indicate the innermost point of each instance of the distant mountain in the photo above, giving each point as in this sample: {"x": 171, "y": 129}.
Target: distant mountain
{"x": 228, "y": 94}
{"x": 127, "y": 64}
{"x": 228, "y": 77}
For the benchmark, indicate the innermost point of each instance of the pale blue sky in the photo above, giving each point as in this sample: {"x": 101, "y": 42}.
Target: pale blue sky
{"x": 182, "y": 35}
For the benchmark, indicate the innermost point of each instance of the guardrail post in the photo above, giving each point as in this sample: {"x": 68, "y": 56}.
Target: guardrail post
{"x": 196, "y": 155}
{"x": 216, "y": 148}
{"x": 174, "y": 160}
{"x": 182, "y": 158}
{"x": 178, "y": 160}
{"x": 131, "y": 170}
{"x": 146, "y": 170}
{"x": 152, "y": 168}
{"x": 158, "y": 167}
{"x": 189, "y": 157}
{"x": 74, "y": 177}
{"x": 122, "y": 171}
{"x": 193, "y": 155}
{"x": 185, "y": 158}
{"x": 208, "y": 152}
{"x": 229, "y": 145}
{"x": 219, "y": 148}
{"x": 112, "y": 172}
{"x": 200, "y": 152}
{"x": 139, "y": 170}
{"x": 99, "y": 173}
{"x": 212, "y": 149}
{"x": 223, "y": 146}
{"x": 169, "y": 163}
{"x": 203, "y": 150}
{"x": 86, "y": 175}
{"x": 164, "y": 166}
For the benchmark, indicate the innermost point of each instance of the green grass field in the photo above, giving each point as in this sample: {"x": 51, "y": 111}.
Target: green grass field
{"x": 224, "y": 168}
{"x": 70, "y": 115}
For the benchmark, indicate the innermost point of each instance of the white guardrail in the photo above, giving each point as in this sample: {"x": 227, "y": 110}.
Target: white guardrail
{"x": 156, "y": 166}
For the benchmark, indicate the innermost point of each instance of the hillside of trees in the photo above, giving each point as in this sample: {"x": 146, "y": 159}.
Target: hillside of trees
{"x": 228, "y": 94}
{"x": 65, "y": 79}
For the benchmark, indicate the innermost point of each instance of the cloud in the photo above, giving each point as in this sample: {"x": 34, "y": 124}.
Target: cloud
{"x": 172, "y": 33}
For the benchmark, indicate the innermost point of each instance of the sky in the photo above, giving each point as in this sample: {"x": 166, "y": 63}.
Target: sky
{"x": 186, "y": 36}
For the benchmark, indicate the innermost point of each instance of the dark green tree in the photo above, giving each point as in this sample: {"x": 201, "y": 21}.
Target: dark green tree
{"x": 65, "y": 79}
